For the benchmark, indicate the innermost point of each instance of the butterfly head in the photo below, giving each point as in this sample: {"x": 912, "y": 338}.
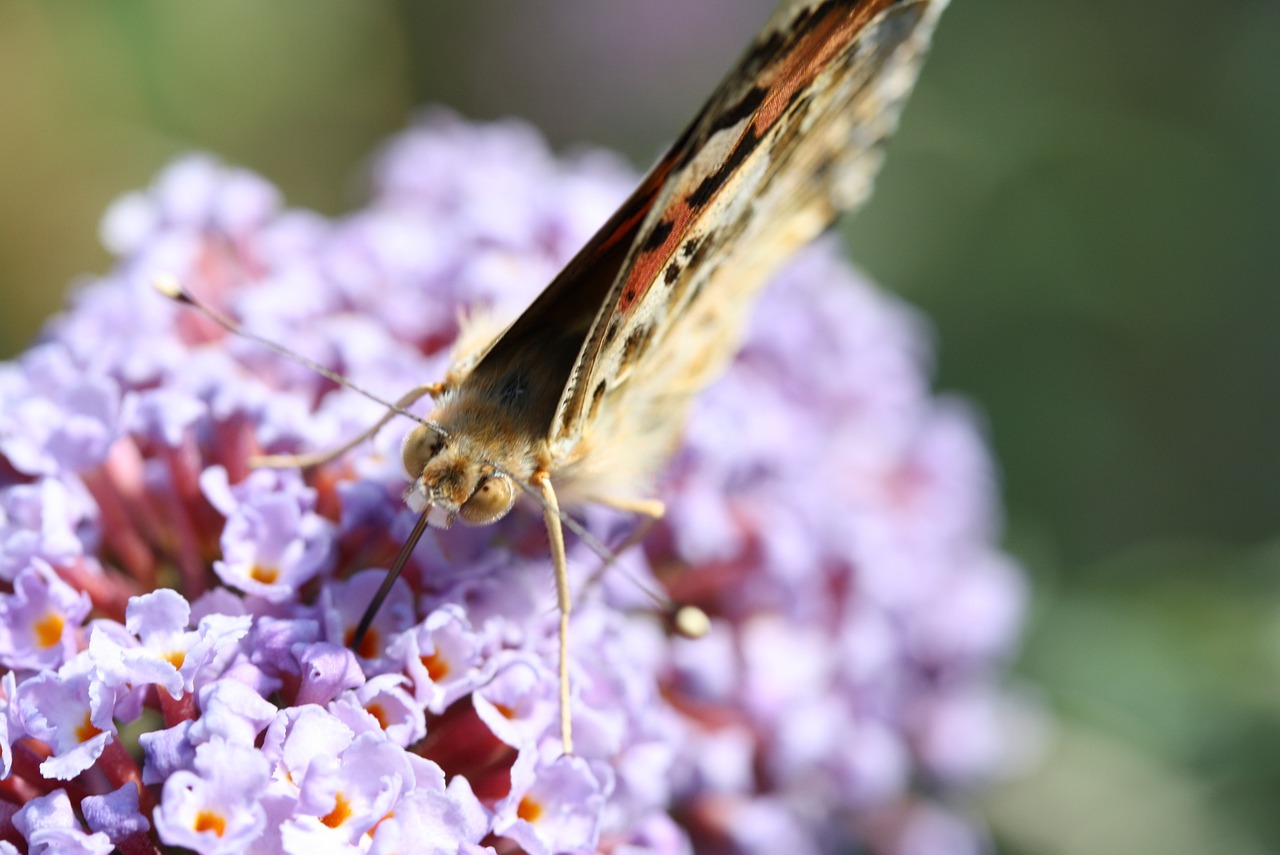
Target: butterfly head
{"x": 451, "y": 483}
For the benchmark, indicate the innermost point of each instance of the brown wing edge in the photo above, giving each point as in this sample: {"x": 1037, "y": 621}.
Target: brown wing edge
{"x": 739, "y": 102}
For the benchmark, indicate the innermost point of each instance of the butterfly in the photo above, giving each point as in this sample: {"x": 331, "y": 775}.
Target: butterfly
{"x": 584, "y": 396}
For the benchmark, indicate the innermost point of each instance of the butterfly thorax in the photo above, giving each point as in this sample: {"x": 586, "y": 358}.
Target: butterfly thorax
{"x": 490, "y": 425}
{"x": 488, "y": 429}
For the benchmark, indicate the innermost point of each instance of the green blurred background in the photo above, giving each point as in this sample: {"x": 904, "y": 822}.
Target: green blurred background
{"x": 1082, "y": 199}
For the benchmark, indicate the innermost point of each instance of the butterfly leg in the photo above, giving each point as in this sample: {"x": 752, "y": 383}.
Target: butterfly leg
{"x": 652, "y": 509}
{"x": 555, "y": 534}
{"x": 315, "y": 458}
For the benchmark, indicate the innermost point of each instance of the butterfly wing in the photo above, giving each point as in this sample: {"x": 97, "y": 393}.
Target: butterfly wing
{"x": 787, "y": 142}
{"x": 547, "y": 337}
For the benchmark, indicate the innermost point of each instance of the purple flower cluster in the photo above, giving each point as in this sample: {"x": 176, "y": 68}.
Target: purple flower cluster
{"x": 176, "y": 626}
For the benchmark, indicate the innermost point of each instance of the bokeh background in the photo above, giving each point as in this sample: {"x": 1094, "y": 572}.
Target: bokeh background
{"x": 1083, "y": 199}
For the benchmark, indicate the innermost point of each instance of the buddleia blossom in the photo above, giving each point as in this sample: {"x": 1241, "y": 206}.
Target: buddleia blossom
{"x": 177, "y": 626}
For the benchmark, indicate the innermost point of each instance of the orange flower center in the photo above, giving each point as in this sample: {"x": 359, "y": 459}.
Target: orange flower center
{"x": 340, "y": 814}
{"x": 48, "y": 629}
{"x": 368, "y": 645}
{"x": 207, "y": 820}
{"x": 87, "y": 730}
{"x": 265, "y": 575}
{"x": 374, "y": 830}
{"x": 437, "y": 667}
{"x": 529, "y": 810}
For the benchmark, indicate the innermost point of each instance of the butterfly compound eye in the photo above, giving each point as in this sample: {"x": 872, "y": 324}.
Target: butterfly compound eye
{"x": 490, "y": 502}
{"x": 420, "y": 445}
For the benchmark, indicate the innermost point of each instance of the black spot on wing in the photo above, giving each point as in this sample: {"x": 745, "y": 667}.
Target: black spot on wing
{"x": 708, "y": 187}
{"x": 597, "y": 395}
{"x": 760, "y": 54}
{"x": 635, "y": 345}
{"x": 573, "y": 407}
{"x": 694, "y": 252}
{"x": 611, "y": 332}
{"x": 658, "y": 236}
{"x": 744, "y": 109}
{"x": 809, "y": 18}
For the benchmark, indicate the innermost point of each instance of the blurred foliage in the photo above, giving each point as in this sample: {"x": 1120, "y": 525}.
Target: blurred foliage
{"x": 1082, "y": 199}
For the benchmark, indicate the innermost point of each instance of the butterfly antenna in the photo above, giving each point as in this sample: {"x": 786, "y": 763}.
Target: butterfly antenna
{"x": 170, "y": 287}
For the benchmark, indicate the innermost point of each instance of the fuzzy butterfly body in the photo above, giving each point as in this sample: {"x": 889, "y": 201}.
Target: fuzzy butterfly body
{"x": 590, "y": 386}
